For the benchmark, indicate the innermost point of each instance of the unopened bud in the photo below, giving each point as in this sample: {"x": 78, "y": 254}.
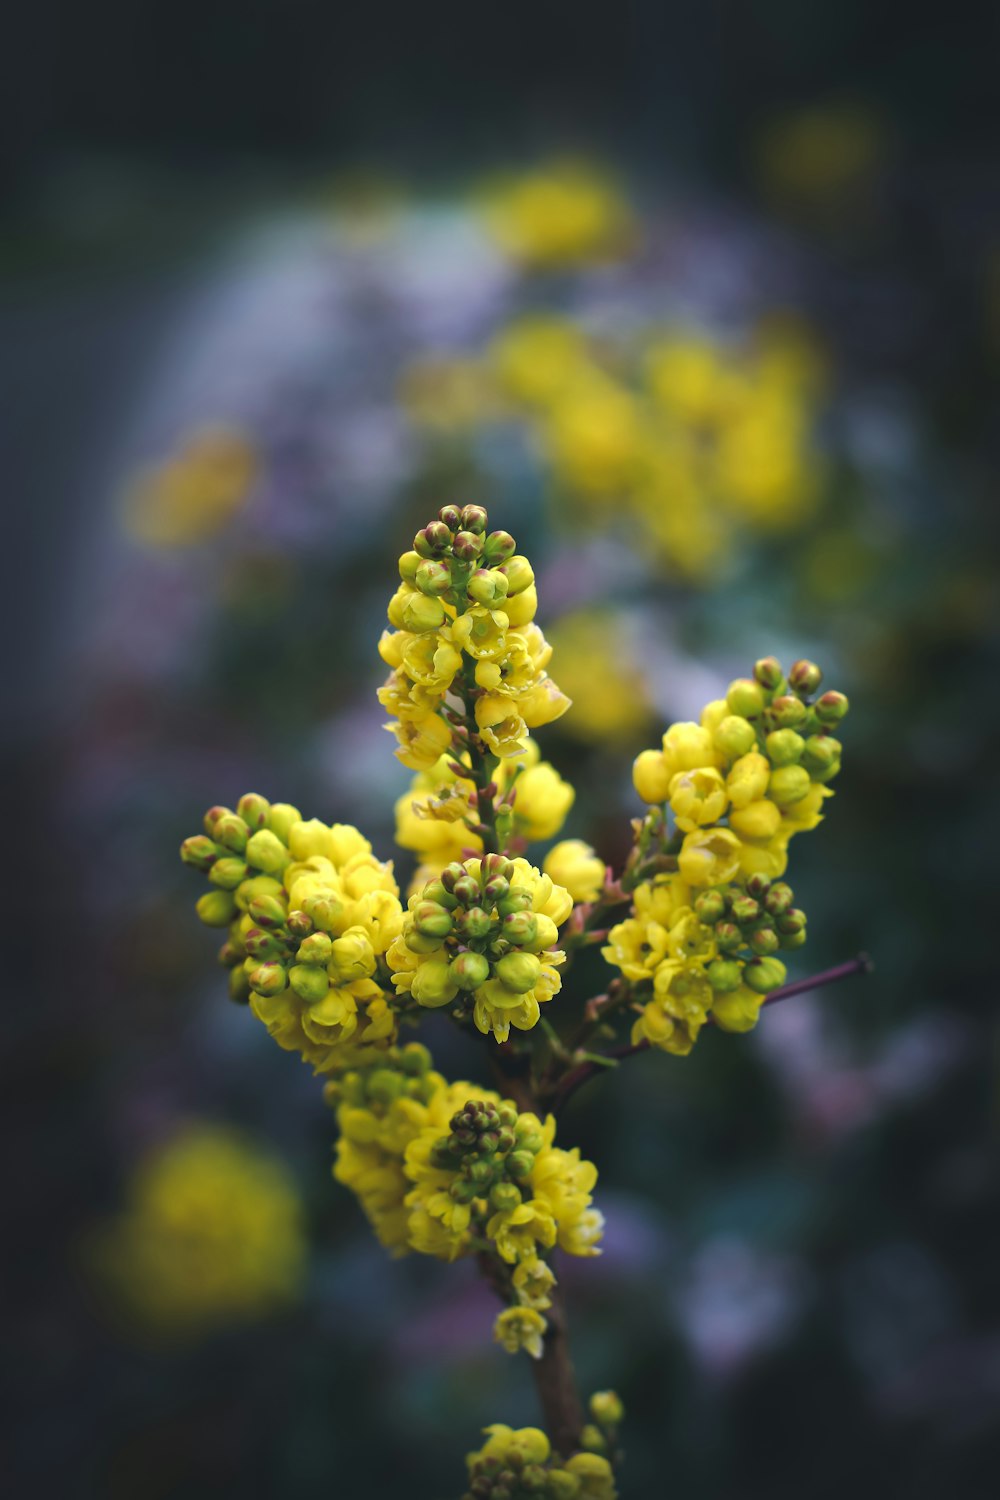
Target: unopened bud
{"x": 784, "y": 747}
{"x": 607, "y": 1409}
{"x": 793, "y": 939}
{"x": 212, "y": 817}
{"x": 421, "y": 613}
{"x": 474, "y": 518}
{"x": 266, "y": 852}
{"x": 521, "y": 1164}
{"x": 504, "y": 1196}
{"x": 821, "y": 751}
{"x": 408, "y": 565}
{"x": 433, "y": 578}
{"x": 787, "y": 711}
{"x": 267, "y": 911}
{"x": 228, "y": 873}
{"x": 239, "y": 986}
{"x": 764, "y": 975}
{"x": 592, "y": 1439}
{"x": 435, "y": 891}
{"x": 216, "y": 908}
{"x": 520, "y": 927}
{"x": 323, "y": 911}
{"x": 804, "y": 677}
{"x": 745, "y": 909}
{"x": 308, "y": 982}
{"x": 831, "y": 708}
{"x": 231, "y": 830}
{"x": 768, "y": 673}
{"x": 734, "y": 736}
{"x": 432, "y": 920}
{"x": 792, "y": 920}
{"x": 315, "y": 949}
{"x": 467, "y": 547}
{"x": 451, "y": 516}
{"x": 299, "y": 924}
{"x": 779, "y": 898}
{"x": 496, "y": 889}
{"x": 475, "y": 923}
{"x": 200, "y": 851}
{"x": 470, "y": 970}
{"x": 519, "y": 573}
{"x": 745, "y": 698}
{"x": 498, "y": 547}
{"x": 268, "y": 979}
{"x": 466, "y": 890}
{"x": 728, "y": 936}
{"x": 517, "y": 899}
{"x": 452, "y": 873}
{"x": 487, "y": 586}
{"x": 788, "y": 784}
{"x": 724, "y": 975}
{"x": 261, "y": 944}
{"x": 757, "y": 886}
{"x": 519, "y": 971}
{"x": 253, "y": 809}
{"x": 710, "y": 906}
{"x": 282, "y": 819}
{"x": 763, "y": 941}
{"x": 433, "y": 983}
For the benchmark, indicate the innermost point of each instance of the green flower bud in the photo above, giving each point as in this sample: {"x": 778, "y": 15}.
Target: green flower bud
{"x": 422, "y": 545}
{"x": 451, "y": 516}
{"x": 521, "y": 1164}
{"x": 475, "y": 923}
{"x": 831, "y": 708}
{"x": 432, "y": 920}
{"x": 763, "y": 941}
{"x": 507, "y": 1114}
{"x": 216, "y": 908}
{"x": 793, "y": 939}
{"x": 764, "y": 975}
{"x": 745, "y": 909}
{"x": 728, "y": 936}
{"x": 419, "y": 942}
{"x": 745, "y": 698}
{"x": 734, "y": 736}
{"x": 757, "y": 886}
{"x": 466, "y": 890}
{"x": 383, "y": 1085}
{"x": 804, "y": 677}
{"x": 266, "y": 851}
{"x": 433, "y": 983}
{"x": 451, "y": 874}
{"x": 470, "y": 970}
{"x": 435, "y": 891}
{"x": 323, "y": 911}
{"x": 408, "y": 565}
{"x": 433, "y": 578}
{"x": 724, "y": 975}
{"x": 267, "y": 911}
{"x": 231, "y": 953}
{"x": 239, "y": 987}
{"x": 606, "y": 1408}
{"x": 787, "y": 711}
{"x": 519, "y": 971}
{"x": 518, "y": 572}
{"x": 415, "y": 1059}
{"x": 784, "y": 747}
{"x": 228, "y": 873}
{"x": 282, "y": 819}
{"x": 497, "y": 864}
{"x": 315, "y": 949}
{"x": 793, "y": 919}
{"x": 253, "y": 809}
{"x": 768, "y": 673}
{"x": 212, "y": 817}
{"x": 262, "y": 945}
{"x": 496, "y": 889}
{"x": 592, "y": 1439}
{"x": 308, "y": 982}
{"x": 463, "y": 1191}
{"x": 824, "y": 776}
{"x": 467, "y": 547}
{"x": 520, "y": 927}
{"x": 787, "y": 785}
{"x": 481, "y": 1172}
{"x": 487, "y": 586}
{"x": 710, "y": 906}
{"x": 474, "y": 519}
{"x": 562, "y": 1485}
{"x": 779, "y": 898}
{"x": 517, "y": 899}
{"x": 499, "y": 547}
{"x": 268, "y": 979}
{"x": 506, "y": 1139}
{"x": 231, "y": 830}
{"x": 200, "y": 851}
{"x": 821, "y": 751}
{"x": 299, "y": 924}
{"x": 438, "y": 535}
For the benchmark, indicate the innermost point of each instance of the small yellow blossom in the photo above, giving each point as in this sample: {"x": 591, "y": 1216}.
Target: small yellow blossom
{"x": 574, "y": 865}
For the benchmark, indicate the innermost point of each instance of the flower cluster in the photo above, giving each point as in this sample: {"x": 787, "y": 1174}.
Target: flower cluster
{"x": 193, "y": 494}
{"x": 445, "y": 1169}
{"x": 484, "y": 931}
{"x": 518, "y": 1463}
{"x": 694, "y": 439}
{"x": 212, "y": 1235}
{"x": 310, "y": 913}
{"x": 464, "y": 611}
{"x": 712, "y": 912}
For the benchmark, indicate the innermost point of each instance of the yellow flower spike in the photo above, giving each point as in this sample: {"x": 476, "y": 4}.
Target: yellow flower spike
{"x": 574, "y": 865}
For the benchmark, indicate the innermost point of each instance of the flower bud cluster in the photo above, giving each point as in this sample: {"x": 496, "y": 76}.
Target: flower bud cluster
{"x": 707, "y": 924}
{"x": 482, "y": 936}
{"x": 519, "y": 1464}
{"x": 310, "y": 913}
{"x": 464, "y": 610}
{"x": 436, "y": 817}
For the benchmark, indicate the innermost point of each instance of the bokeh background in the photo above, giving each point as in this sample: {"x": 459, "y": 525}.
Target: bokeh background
{"x": 277, "y": 282}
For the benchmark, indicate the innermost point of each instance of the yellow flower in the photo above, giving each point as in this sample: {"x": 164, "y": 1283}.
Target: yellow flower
{"x": 593, "y": 435}
{"x": 194, "y": 494}
{"x": 757, "y": 820}
{"x": 564, "y": 214}
{"x": 482, "y": 632}
{"x": 595, "y": 1475}
{"x": 520, "y": 1328}
{"x": 504, "y": 731}
{"x": 748, "y": 778}
{"x": 542, "y": 703}
{"x": 542, "y": 800}
{"x": 529, "y": 1444}
{"x": 536, "y": 358}
{"x": 533, "y": 1280}
{"x": 698, "y": 797}
{"x": 517, "y": 1232}
{"x": 661, "y": 900}
{"x": 574, "y": 865}
{"x": 688, "y": 747}
{"x": 652, "y": 777}
{"x": 602, "y": 674}
{"x": 637, "y": 948}
{"x": 423, "y": 739}
{"x": 690, "y": 941}
{"x": 710, "y": 856}
{"x": 737, "y": 1011}
{"x": 446, "y": 393}
{"x": 431, "y": 661}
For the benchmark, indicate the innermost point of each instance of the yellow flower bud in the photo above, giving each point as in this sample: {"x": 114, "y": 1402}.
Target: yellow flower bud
{"x": 433, "y": 983}
{"x": 758, "y": 820}
{"x": 574, "y": 865}
{"x": 266, "y": 852}
{"x": 522, "y": 608}
{"x": 282, "y": 818}
{"x": 651, "y": 777}
{"x": 688, "y": 747}
{"x": 748, "y": 779}
{"x": 542, "y": 800}
{"x": 709, "y": 856}
{"x": 788, "y": 784}
{"x": 734, "y": 736}
{"x": 519, "y": 972}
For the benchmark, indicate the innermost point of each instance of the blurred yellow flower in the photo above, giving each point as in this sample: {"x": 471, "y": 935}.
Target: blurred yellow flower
{"x": 192, "y": 495}
{"x": 567, "y": 213}
{"x": 599, "y": 673}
